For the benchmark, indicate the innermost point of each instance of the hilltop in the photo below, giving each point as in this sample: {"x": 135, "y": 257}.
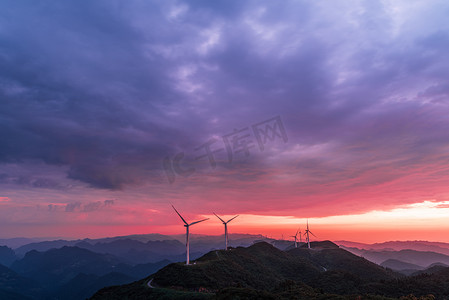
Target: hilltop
{"x": 261, "y": 271}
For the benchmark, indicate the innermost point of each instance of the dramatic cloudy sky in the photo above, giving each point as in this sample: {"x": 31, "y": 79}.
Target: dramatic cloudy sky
{"x": 108, "y": 109}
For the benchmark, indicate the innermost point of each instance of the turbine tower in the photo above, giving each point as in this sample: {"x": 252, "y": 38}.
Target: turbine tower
{"x": 295, "y": 236}
{"x": 307, "y": 231}
{"x": 226, "y": 228}
{"x": 187, "y": 225}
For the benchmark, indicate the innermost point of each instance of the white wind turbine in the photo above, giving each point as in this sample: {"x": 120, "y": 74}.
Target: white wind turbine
{"x": 187, "y": 225}
{"x": 307, "y": 231}
{"x": 226, "y": 228}
{"x": 295, "y": 236}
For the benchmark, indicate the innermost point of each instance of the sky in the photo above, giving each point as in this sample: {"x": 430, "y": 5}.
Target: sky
{"x": 279, "y": 111}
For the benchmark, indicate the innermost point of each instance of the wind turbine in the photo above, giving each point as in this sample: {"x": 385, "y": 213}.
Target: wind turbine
{"x": 307, "y": 231}
{"x": 295, "y": 236}
{"x": 226, "y": 228}
{"x": 187, "y": 225}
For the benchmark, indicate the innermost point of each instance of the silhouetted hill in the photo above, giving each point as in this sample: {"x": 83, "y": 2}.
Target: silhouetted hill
{"x": 260, "y": 271}
{"x": 145, "y": 248}
{"x": 436, "y": 284}
{"x": 56, "y": 266}
{"x": 43, "y": 246}
{"x": 286, "y": 290}
{"x": 437, "y": 264}
{"x": 259, "y": 266}
{"x": 80, "y": 271}
{"x": 139, "y": 290}
{"x": 12, "y": 285}
{"x": 136, "y": 237}
{"x": 430, "y": 270}
{"x": 205, "y": 243}
{"x": 135, "y": 252}
{"x": 282, "y": 244}
{"x": 314, "y": 245}
{"x": 437, "y": 247}
{"x": 320, "y": 245}
{"x": 144, "y": 270}
{"x": 7, "y": 256}
{"x": 398, "y": 265}
{"x": 15, "y": 243}
{"x": 419, "y": 258}
{"x": 4, "y": 294}
{"x": 84, "y": 286}
{"x": 339, "y": 260}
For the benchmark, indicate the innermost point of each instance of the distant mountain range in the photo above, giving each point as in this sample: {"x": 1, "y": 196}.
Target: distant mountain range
{"x": 437, "y": 247}
{"x": 50, "y": 274}
{"x": 18, "y": 242}
{"x": 398, "y": 265}
{"x": 76, "y": 269}
{"x": 420, "y": 258}
{"x": 198, "y": 243}
{"x": 15, "y": 286}
{"x": 7, "y": 256}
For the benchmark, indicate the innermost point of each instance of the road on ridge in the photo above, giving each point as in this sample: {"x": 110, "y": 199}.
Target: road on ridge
{"x": 149, "y": 283}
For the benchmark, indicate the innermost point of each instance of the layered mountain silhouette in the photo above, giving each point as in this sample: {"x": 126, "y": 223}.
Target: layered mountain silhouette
{"x": 146, "y": 247}
{"x": 84, "y": 285}
{"x": 7, "y": 256}
{"x": 406, "y": 257}
{"x": 63, "y": 269}
{"x": 437, "y": 247}
{"x": 15, "y": 286}
{"x": 134, "y": 251}
{"x": 420, "y": 258}
{"x": 270, "y": 268}
{"x": 57, "y": 266}
{"x": 398, "y": 265}
{"x": 69, "y": 273}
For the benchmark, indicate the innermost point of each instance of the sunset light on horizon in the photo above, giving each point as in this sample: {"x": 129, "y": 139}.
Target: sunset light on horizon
{"x": 331, "y": 112}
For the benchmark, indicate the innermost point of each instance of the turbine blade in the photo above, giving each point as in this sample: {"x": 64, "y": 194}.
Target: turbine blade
{"x": 219, "y": 217}
{"x": 312, "y": 233}
{"x": 232, "y": 219}
{"x": 180, "y": 215}
{"x": 198, "y": 221}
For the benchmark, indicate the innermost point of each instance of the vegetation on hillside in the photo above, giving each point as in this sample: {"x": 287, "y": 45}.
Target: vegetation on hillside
{"x": 265, "y": 272}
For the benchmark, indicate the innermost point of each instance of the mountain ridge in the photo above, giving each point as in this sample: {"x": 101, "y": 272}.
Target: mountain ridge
{"x": 260, "y": 269}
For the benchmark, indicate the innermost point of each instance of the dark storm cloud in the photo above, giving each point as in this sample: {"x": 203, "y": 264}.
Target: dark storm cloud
{"x": 77, "y": 89}
{"x": 110, "y": 88}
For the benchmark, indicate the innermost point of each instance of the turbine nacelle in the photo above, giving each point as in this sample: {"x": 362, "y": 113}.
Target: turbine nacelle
{"x": 223, "y": 221}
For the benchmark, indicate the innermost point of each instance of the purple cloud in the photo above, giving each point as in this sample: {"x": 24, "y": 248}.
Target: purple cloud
{"x": 107, "y": 91}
